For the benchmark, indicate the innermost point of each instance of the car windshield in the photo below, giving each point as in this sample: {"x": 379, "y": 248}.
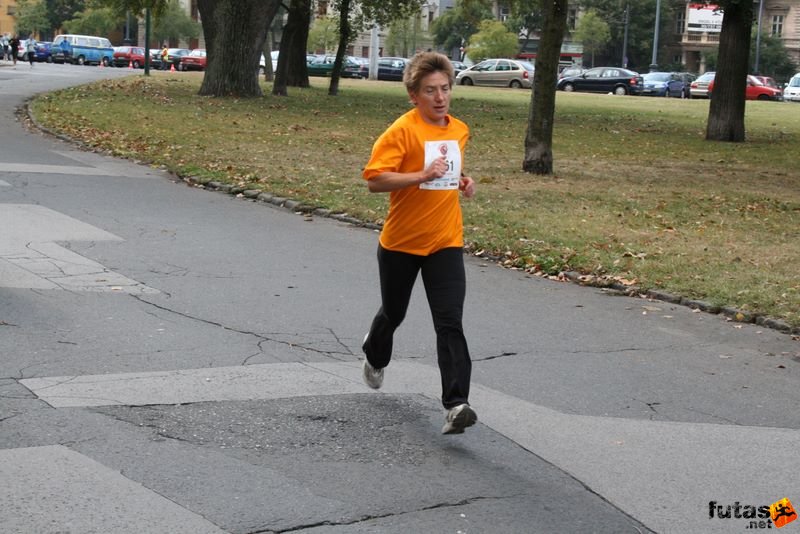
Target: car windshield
{"x": 527, "y": 65}
{"x": 656, "y": 77}
{"x": 707, "y": 77}
{"x": 755, "y": 80}
{"x": 794, "y": 82}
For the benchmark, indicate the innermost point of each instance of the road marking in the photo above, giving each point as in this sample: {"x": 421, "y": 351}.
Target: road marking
{"x": 52, "y": 488}
{"x": 661, "y": 473}
{"x": 30, "y": 257}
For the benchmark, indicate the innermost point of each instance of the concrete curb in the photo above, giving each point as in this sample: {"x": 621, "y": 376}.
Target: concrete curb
{"x": 608, "y": 285}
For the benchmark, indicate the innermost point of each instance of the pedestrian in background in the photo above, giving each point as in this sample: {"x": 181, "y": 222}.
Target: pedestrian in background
{"x": 13, "y": 44}
{"x": 418, "y": 161}
{"x": 164, "y": 57}
{"x": 3, "y": 46}
{"x": 30, "y": 48}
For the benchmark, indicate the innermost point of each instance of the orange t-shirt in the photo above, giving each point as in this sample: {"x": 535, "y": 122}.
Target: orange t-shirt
{"x": 420, "y": 221}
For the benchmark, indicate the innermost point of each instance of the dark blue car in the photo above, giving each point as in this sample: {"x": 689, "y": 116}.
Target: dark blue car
{"x": 42, "y": 52}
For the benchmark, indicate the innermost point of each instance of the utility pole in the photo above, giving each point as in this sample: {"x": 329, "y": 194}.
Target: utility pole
{"x": 147, "y": 41}
{"x": 625, "y": 20}
{"x": 758, "y": 36}
{"x": 654, "y": 60}
{"x": 373, "y": 53}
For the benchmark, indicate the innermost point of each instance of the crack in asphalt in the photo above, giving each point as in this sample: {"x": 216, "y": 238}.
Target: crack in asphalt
{"x": 363, "y": 518}
{"x": 263, "y": 338}
{"x": 501, "y": 355}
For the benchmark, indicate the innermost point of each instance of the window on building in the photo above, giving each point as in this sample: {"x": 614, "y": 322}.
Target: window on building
{"x": 777, "y": 25}
{"x": 504, "y": 13}
{"x": 680, "y": 22}
{"x": 11, "y": 11}
{"x": 572, "y": 19}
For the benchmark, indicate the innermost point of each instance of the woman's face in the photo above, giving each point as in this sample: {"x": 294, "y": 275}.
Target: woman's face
{"x": 433, "y": 98}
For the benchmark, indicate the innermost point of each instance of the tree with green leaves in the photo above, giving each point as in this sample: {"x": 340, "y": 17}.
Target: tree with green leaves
{"x": 525, "y": 18}
{"x": 539, "y": 136}
{"x": 174, "y": 24}
{"x": 358, "y": 15}
{"x": 773, "y": 60}
{"x": 94, "y": 20}
{"x": 32, "y": 18}
{"x": 492, "y": 40}
{"x": 454, "y": 27}
{"x": 323, "y": 35}
{"x": 726, "y": 111}
{"x": 60, "y": 11}
{"x": 592, "y": 32}
{"x": 641, "y": 21}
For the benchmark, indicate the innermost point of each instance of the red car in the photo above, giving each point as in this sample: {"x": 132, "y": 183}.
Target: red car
{"x": 756, "y": 90}
{"x": 125, "y": 56}
{"x": 196, "y": 60}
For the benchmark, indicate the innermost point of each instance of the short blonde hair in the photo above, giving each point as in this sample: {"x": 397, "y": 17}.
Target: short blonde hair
{"x": 423, "y": 64}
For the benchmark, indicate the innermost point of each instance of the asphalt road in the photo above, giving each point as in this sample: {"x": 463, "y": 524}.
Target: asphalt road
{"x": 179, "y": 360}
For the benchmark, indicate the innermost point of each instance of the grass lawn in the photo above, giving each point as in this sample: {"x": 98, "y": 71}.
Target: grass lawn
{"x": 638, "y": 195}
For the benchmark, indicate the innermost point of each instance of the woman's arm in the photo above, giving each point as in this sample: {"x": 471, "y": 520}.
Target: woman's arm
{"x": 392, "y": 181}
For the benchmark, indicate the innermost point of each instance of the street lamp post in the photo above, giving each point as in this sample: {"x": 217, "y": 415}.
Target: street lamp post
{"x": 654, "y": 60}
{"x": 625, "y": 20}
{"x": 758, "y": 36}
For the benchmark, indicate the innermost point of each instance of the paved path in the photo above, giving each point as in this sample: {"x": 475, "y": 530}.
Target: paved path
{"x": 176, "y": 360}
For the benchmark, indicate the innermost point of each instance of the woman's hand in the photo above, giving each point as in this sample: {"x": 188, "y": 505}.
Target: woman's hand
{"x": 467, "y": 186}
{"x": 436, "y": 169}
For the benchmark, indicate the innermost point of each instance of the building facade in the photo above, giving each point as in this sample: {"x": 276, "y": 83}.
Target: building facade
{"x": 8, "y": 11}
{"x": 699, "y": 27}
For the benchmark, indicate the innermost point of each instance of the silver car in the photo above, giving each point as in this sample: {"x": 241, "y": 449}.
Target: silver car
{"x": 499, "y": 73}
{"x": 699, "y": 87}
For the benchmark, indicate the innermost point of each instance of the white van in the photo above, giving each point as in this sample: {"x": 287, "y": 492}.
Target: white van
{"x": 791, "y": 93}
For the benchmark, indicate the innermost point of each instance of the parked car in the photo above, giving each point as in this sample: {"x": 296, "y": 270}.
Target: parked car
{"x": 604, "y": 80}
{"x": 755, "y": 90}
{"x": 791, "y": 93}
{"x": 125, "y": 56}
{"x": 499, "y": 73}
{"x": 42, "y": 52}
{"x": 699, "y": 87}
{"x": 262, "y": 63}
{"x": 666, "y": 84}
{"x": 323, "y": 66}
{"x": 458, "y": 66}
{"x": 769, "y": 82}
{"x": 389, "y": 68}
{"x": 194, "y": 60}
{"x": 570, "y": 71}
{"x": 82, "y": 49}
{"x": 174, "y": 56}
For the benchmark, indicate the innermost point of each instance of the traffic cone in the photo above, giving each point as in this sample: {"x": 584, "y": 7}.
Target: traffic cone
{"x": 172, "y": 68}
{"x": 130, "y": 64}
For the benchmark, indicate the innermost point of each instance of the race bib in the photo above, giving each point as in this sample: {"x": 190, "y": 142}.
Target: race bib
{"x": 452, "y": 154}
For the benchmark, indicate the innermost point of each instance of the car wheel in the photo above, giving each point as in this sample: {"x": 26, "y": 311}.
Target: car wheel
{"x": 516, "y": 84}
{"x": 466, "y": 81}
{"x": 620, "y": 91}
{"x": 135, "y": 64}
{"x": 81, "y": 60}
{"x": 763, "y": 97}
{"x": 49, "y": 59}
{"x": 568, "y": 87}
{"x": 105, "y": 61}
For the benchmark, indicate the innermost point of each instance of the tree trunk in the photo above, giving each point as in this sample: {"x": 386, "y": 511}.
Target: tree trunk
{"x": 235, "y": 31}
{"x": 726, "y": 111}
{"x": 269, "y": 75}
{"x": 344, "y": 38}
{"x": 292, "y": 70}
{"x": 539, "y": 137}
